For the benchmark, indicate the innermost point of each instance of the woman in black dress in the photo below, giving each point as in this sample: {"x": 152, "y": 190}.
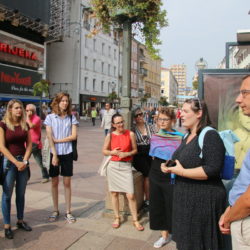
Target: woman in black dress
{"x": 142, "y": 160}
{"x": 199, "y": 194}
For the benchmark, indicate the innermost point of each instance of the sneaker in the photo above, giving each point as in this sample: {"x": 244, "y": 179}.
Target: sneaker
{"x": 162, "y": 241}
{"x": 44, "y": 180}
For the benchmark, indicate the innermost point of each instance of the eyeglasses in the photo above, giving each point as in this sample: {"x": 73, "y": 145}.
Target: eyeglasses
{"x": 117, "y": 123}
{"x": 139, "y": 114}
{"x": 163, "y": 119}
{"x": 244, "y": 92}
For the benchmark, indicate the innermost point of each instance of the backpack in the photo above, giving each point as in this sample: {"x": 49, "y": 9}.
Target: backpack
{"x": 228, "y": 138}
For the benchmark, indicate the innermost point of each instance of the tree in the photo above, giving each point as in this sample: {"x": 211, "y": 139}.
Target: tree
{"x": 147, "y": 16}
{"x": 195, "y": 84}
{"x": 41, "y": 89}
{"x": 163, "y": 101}
{"x": 112, "y": 96}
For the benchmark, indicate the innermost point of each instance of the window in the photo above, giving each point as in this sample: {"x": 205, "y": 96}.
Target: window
{"x": 102, "y": 67}
{"x": 85, "y": 83}
{"x": 102, "y": 86}
{"x": 94, "y": 84}
{"x": 109, "y": 87}
{"x": 162, "y": 91}
{"x": 114, "y": 70}
{"x": 86, "y": 42}
{"x": 85, "y": 62}
{"x": 94, "y": 64}
{"x": 109, "y": 51}
{"x": 103, "y": 48}
{"x": 94, "y": 44}
{"x": 115, "y": 54}
{"x": 109, "y": 69}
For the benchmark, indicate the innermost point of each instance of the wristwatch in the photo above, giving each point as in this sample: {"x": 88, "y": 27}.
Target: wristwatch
{"x": 25, "y": 162}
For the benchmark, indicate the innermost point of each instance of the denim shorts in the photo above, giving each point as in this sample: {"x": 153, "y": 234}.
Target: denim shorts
{"x": 65, "y": 167}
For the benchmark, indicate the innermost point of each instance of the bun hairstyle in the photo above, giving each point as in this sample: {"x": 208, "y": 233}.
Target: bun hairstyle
{"x": 113, "y": 119}
{"x": 168, "y": 112}
{"x": 199, "y": 105}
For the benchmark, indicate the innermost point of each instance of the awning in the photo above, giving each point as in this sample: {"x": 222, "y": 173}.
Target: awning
{"x": 23, "y": 99}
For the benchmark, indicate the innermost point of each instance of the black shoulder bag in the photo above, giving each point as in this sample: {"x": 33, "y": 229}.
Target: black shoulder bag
{"x": 74, "y": 145}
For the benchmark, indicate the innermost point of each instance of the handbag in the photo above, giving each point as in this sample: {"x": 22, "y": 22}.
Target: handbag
{"x": 74, "y": 146}
{"x": 103, "y": 167}
{"x": 2, "y": 171}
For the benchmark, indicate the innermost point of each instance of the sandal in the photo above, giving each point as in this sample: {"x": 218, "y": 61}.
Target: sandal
{"x": 54, "y": 216}
{"x": 137, "y": 225}
{"x": 70, "y": 218}
{"x": 115, "y": 224}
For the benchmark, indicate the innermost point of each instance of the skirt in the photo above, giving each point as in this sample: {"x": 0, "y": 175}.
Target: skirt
{"x": 120, "y": 177}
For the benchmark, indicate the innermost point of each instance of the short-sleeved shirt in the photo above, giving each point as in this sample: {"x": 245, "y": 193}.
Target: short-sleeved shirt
{"x": 15, "y": 140}
{"x": 61, "y": 128}
{"x": 35, "y": 132}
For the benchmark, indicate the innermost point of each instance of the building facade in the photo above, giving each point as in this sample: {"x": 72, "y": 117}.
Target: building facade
{"x": 180, "y": 73}
{"x": 83, "y": 65}
{"x": 169, "y": 86}
{"x": 23, "y": 29}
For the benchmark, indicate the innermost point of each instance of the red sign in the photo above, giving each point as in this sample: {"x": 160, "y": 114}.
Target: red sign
{"x": 15, "y": 78}
{"x": 4, "y": 47}
{"x": 92, "y": 98}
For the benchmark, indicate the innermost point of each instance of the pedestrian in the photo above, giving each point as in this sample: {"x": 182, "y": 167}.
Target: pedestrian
{"x": 236, "y": 217}
{"x": 142, "y": 161}
{"x": 75, "y": 113}
{"x": 121, "y": 145}
{"x": 61, "y": 128}
{"x": 93, "y": 115}
{"x": 199, "y": 194}
{"x": 101, "y": 113}
{"x": 178, "y": 115}
{"x": 34, "y": 123}
{"x": 162, "y": 146}
{"x": 107, "y": 116}
{"x": 14, "y": 135}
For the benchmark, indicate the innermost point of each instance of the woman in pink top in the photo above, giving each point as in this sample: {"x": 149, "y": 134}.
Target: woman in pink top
{"x": 121, "y": 145}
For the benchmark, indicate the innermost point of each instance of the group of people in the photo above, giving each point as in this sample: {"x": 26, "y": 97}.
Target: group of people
{"x": 20, "y": 136}
{"x": 187, "y": 198}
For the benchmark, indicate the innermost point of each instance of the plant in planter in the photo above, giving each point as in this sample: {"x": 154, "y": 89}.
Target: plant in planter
{"x": 146, "y": 14}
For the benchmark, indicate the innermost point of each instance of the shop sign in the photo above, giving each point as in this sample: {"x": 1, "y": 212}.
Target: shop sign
{"x": 17, "y": 81}
{"x": 19, "y": 51}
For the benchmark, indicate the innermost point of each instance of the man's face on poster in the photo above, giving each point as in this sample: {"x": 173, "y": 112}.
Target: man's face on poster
{"x": 243, "y": 99}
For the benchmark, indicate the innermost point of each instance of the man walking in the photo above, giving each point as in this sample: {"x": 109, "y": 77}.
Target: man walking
{"x": 34, "y": 122}
{"x": 93, "y": 115}
{"x": 107, "y": 116}
{"x": 236, "y": 217}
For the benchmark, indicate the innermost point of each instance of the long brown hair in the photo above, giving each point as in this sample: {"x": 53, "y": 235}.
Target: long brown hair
{"x": 55, "y": 103}
{"x": 199, "y": 105}
{"x": 8, "y": 117}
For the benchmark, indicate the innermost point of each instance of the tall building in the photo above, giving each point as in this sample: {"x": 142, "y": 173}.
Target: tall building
{"x": 180, "y": 73}
{"x": 85, "y": 66}
{"x": 169, "y": 86}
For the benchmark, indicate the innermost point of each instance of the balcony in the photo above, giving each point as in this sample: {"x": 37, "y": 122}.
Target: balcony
{"x": 143, "y": 72}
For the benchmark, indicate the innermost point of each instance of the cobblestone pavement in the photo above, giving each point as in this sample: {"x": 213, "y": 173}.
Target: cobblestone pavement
{"x": 92, "y": 230}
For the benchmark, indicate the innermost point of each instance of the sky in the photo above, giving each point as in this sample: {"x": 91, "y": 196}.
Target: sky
{"x": 200, "y": 28}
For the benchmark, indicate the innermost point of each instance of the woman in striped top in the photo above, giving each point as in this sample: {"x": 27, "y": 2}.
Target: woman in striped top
{"x": 142, "y": 160}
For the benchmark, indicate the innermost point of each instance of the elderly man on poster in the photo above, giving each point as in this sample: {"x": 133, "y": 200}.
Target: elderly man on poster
{"x": 236, "y": 218}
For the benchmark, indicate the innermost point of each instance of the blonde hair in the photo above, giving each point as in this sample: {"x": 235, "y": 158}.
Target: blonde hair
{"x": 8, "y": 118}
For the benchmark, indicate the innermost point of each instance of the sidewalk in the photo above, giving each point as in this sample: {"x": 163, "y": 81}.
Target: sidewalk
{"x": 91, "y": 230}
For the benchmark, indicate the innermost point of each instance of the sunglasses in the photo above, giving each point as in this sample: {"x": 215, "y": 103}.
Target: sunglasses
{"x": 139, "y": 114}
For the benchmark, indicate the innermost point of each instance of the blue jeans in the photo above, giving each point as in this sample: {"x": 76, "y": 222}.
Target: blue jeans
{"x": 37, "y": 153}
{"x": 106, "y": 131}
{"x": 20, "y": 178}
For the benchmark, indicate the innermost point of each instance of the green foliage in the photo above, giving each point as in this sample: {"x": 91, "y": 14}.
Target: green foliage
{"x": 112, "y": 96}
{"x": 147, "y": 14}
{"x": 145, "y": 97}
{"x": 195, "y": 84}
{"x": 41, "y": 87}
{"x": 163, "y": 101}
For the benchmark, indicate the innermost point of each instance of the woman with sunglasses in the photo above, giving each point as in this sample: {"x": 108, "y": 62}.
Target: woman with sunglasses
{"x": 121, "y": 145}
{"x": 199, "y": 194}
{"x": 162, "y": 146}
{"x": 142, "y": 161}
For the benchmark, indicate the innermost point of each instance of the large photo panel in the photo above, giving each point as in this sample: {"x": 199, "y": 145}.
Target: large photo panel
{"x": 219, "y": 89}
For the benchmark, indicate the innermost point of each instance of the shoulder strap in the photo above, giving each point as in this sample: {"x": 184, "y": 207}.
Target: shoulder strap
{"x": 201, "y": 138}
